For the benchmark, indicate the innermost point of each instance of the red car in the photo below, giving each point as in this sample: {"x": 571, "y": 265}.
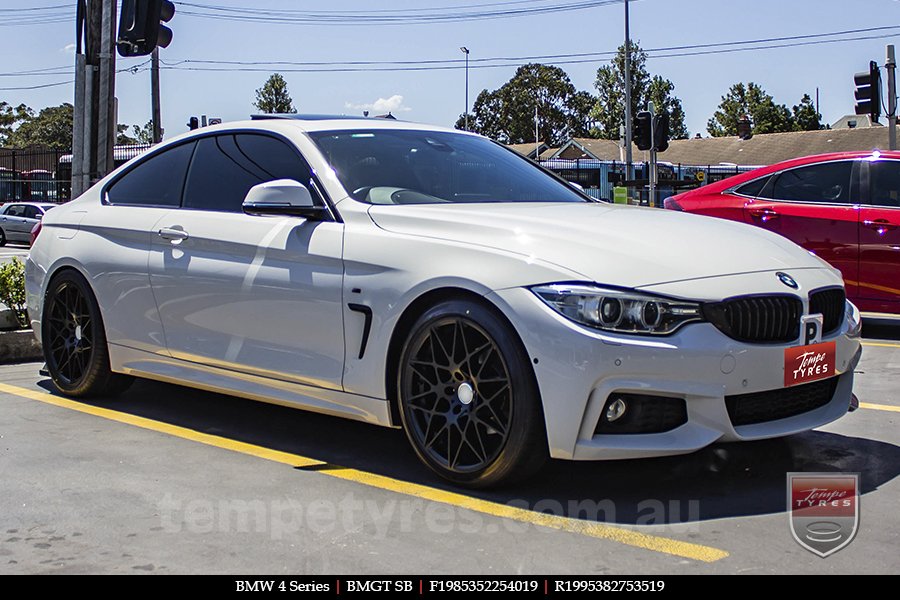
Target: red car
{"x": 844, "y": 207}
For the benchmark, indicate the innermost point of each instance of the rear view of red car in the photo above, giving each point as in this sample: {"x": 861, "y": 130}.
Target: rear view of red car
{"x": 844, "y": 207}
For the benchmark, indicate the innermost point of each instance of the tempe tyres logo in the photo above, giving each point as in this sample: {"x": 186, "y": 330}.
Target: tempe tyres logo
{"x": 823, "y": 510}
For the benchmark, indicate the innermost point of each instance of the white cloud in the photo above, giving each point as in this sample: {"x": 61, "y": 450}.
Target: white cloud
{"x": 394, "y": 104}
{"x": 68, "y": 49}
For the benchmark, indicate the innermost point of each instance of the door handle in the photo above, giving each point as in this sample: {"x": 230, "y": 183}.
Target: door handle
{"x": 764, "y": 214}
{"x": 881, "y": 226}
{"x": 173, "y": 235}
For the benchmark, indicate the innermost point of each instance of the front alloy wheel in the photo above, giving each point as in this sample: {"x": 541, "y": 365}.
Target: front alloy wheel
{"x": 468, "y": 398}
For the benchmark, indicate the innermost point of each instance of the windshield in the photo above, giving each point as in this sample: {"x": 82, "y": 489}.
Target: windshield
{"x": 426, "y": 167}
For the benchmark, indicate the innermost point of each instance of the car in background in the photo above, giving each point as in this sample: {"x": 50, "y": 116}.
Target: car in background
{"x": 17, "y": 219}
{"x": 843, "y": 207}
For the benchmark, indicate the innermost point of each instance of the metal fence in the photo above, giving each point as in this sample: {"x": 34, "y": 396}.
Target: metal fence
{"x": 599, "y": 177}
{"x": 45, "y": 175}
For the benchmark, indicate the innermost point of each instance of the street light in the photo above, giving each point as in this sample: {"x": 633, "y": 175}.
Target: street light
{"x": 465, "y": 51}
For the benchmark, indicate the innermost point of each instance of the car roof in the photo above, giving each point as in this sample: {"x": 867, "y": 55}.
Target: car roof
{"x": 734, "y": 180}
{"x": 287, "y": 124}
{"x": 31, "y": 203}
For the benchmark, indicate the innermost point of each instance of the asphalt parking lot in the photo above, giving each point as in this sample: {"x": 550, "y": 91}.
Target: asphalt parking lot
{"x": 170, "y": 480}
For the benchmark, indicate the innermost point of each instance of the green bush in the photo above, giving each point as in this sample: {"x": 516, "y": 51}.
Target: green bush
{"x": 12, "y": 289}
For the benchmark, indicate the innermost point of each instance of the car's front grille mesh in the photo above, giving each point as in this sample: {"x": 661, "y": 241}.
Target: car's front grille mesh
{"x": 831, "y": 304}
{"x": 757, "y": 318}
{"x": 762, "y": 407}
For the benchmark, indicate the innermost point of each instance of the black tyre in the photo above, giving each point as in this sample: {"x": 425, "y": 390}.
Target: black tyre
{"x": 2, "y": 237}
{"x": 74, "y": 340}
{"x": 468, "y": 397}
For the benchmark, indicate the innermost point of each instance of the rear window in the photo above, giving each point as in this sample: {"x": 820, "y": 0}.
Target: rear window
{"x": 155, "y": 181}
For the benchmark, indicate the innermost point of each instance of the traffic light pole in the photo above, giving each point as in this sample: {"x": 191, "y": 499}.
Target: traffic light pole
{"x": 890, "y": 66}
{"x": 651, "y": 201}
{"x": 629, "y": 170}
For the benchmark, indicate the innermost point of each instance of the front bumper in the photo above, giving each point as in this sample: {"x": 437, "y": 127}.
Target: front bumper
{"x": 577, "y": 368}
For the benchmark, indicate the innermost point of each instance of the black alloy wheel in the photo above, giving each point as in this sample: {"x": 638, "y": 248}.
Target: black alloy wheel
{"x": 74, "y": 340}
{"x": 469, "y": 401}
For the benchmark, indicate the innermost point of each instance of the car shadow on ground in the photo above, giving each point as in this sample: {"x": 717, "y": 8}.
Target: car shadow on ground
{"x": 880, "y": 328}
{"x": 721, "y": 481}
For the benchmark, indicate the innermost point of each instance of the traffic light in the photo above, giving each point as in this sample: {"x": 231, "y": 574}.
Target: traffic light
{"x": 141, "y": 26}
{"x": 641, "y": 130}
{"x": 661, "y": 131}
{"x": 193, "y": 123}
{"x": 868, "y": 92}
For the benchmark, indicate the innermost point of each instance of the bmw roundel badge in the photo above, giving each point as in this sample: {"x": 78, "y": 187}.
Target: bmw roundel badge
{"x": 787, "y": 280}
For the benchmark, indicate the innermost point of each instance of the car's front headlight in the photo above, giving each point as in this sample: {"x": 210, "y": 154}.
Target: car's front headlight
{"x": 621, "y": 311}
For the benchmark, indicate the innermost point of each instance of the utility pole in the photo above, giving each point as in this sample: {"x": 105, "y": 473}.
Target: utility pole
{"x": 890, "y": 66}
{"x": 629, "y": 171}
{"x": 155, "y": 117}
{"x": 465, "y": 51}
{"x": 537, "y": 143}
{"x": 94, "y": 123}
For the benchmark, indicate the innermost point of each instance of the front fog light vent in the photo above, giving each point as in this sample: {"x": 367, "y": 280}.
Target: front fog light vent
{"x": 640, "y": 413}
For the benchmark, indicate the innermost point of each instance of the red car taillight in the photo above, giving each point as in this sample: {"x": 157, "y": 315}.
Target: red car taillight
{"x": 672, "y": 204}
{"x": 35, "y": 231}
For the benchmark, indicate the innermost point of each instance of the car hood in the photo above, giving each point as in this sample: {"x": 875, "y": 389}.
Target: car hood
{"x": 614, "y": 245}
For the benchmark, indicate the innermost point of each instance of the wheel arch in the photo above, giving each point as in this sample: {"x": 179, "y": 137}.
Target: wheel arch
{"x": 408, "y": 318}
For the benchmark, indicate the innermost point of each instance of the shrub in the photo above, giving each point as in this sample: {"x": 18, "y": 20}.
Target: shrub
{"x": 12, "y": 289}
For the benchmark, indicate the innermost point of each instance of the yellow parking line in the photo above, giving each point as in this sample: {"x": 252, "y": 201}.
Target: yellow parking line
{"x": 886, "y": 407}
{"x": 592, "y": 529}
{"x": 882, "y": 344}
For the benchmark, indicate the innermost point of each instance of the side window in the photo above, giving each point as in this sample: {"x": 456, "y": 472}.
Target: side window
{"x": 825, "y": 183}
{"x": 884, "y": 186}
{"x": 227, "y": 166}
{"x": 30, "y": 212}
{"x": 753, "y": 188}
{"x": 15, "y": 210}
{"x": 156, "y": 181}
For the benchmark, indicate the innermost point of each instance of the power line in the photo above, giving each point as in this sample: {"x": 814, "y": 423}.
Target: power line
{"x": 396, "y": 17}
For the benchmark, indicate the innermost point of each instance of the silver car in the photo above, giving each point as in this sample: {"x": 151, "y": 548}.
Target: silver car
{"x": 17, "y": 219}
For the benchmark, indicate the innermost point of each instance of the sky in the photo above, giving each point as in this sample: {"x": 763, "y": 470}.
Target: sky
{"x": 438, "y": 96}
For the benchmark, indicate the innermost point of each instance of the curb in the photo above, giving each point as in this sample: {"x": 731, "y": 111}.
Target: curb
{"x": 19, "y": 346}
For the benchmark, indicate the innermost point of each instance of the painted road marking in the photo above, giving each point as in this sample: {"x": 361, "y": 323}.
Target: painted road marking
{"x": 591, "y": 529}
{"x": 886, "y": 407}
{"x": 882, "y": 344}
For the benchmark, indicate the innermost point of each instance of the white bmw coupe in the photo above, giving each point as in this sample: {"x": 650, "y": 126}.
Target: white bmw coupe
{"x": 433, "y": 280}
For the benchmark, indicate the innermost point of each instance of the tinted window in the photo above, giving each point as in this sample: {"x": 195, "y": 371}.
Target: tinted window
{"x": 225, "y": 167}
{"x": 825, "y": 182}
{"x": 31, "y": 212}
{"x": 753, "y": 188}
{"x": 884, "y": 189}
{"x": 157, "y": 181}
{"x": 14, "y": 210}
{"x": 418, "y": 167}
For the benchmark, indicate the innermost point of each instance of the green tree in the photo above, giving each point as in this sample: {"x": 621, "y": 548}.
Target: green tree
{"x": 122, "y": 137}
{"x": 507, "y": 113}
{"x": 273, "y": 97}
{"x": 10, "y": 117}
{"x": 805, "y": 115}
{"x": 765, "y": 115}
{"x": 51, "y": 128}
{"x": 609, "y": 111}
{"x": 143, "y": 135}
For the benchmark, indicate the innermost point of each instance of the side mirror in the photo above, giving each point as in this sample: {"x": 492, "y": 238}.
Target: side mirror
{"x": 284, "y": 197}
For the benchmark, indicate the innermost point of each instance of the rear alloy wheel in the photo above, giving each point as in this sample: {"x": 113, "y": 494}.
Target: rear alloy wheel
{"x": 74, "y": 340}
{"x": 468, "y": 397}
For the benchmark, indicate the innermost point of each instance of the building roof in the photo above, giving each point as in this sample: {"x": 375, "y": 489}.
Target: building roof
{"x": 857, "y": 121}
{"x": 761, "y": 149}
{"x": 528, "y": 149}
